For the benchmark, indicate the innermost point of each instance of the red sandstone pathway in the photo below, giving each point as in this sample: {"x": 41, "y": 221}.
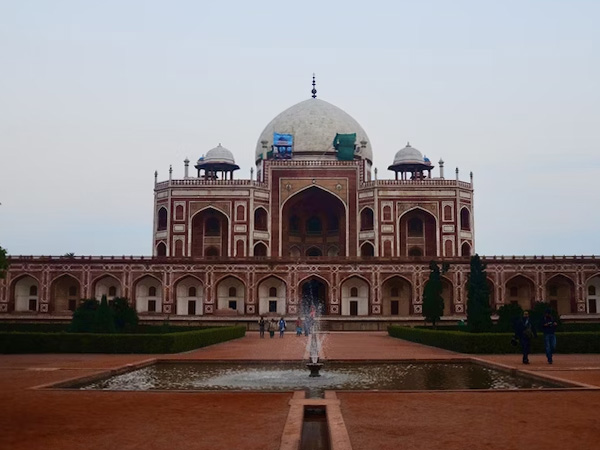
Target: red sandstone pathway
{"x": 58, "y": 419}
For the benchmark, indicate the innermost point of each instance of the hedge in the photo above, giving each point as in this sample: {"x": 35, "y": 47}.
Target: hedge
{"x": 18, "y": 342}
{"x": 495, "y": 343}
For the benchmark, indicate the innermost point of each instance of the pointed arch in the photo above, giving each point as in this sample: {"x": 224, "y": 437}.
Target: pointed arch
{"x": 520, "y": 289}
{"x": 189, "y": 296}
{"x": 269, "y": 303}
{"x": 24, "y": 298}
{"x": 228, "y": 302}
{"x": 355, "y": 294}
{"x": 367, "y": 250}
{"x": 560, "y": 294}
{"x": 367, "y": 219}
{"x": 148, "y": 294}
{"x": 260, "y": 249}
{"x": 108, "y": 285}
{"x": 592, "y": 294}
{"x": 417, "y": 228}
{"x": 261, "y": 219}
{"x": 465, "y": 219}
{"x": 161, "y": 249}
{"x": 210, "y": 227}
{"x": 314, "y": 290}
{"x": 162, "y": 219}
{"x": 396, "y": 293}
{"x": 65, "y": 293}
{"x": 313, "y": 211}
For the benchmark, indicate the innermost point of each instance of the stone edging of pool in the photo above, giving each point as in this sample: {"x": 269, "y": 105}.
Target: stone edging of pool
{"x": 104, "y": 373}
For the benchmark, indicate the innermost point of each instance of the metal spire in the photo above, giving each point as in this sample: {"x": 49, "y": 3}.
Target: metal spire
{"x": 314, "y": 89}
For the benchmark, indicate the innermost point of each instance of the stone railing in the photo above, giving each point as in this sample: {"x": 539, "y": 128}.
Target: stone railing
{"x": 418, "y": 183}
{"x": 303, "y": 260}
{"x": 202, "y": 182}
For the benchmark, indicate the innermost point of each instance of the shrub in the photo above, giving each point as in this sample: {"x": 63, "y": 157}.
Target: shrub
{"x": 17, "y": 342}
{"x": 495, "y": 343}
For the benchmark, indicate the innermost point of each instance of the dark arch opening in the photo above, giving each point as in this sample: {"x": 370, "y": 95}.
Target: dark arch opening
{"x": 367, "y": 250}
{"x": 162, "y": 219}
{"x": 260, "y": 219}
{"x": 161, "y": 250}
{"x": 314, "y": 295}
{"x": 260, "y": 250}
{"x": 366, "y": 219}
{"x": 465, "y": 219}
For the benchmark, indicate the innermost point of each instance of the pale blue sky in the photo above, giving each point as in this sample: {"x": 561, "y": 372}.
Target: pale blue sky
{"x": 94, "y": 96}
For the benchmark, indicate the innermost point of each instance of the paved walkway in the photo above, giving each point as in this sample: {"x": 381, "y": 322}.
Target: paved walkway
{"x": 58, "y": 419}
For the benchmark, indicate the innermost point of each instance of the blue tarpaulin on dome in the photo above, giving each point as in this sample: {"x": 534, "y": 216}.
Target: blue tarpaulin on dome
{"x": 282, "y": 145}
{"x": 345, "y": 144}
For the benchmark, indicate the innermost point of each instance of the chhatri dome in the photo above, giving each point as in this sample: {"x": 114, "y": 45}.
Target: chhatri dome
{"x": 314, "y": 124}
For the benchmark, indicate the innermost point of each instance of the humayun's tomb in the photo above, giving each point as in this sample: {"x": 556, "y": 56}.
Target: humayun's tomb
{"x": 313, "y": 224}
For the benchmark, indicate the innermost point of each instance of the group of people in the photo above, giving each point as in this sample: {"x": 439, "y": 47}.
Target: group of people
{"x": 271, "y": 326}
{"x": 525, "y": 331}
{"x": 274, "y": 325}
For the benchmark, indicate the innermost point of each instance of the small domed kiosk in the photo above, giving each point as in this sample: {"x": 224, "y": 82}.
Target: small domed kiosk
{"x": 218, "y": 159}
{"x": 409, "y": 160}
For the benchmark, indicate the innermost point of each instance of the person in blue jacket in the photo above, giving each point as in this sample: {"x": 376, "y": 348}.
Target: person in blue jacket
{"x": 282, "y": 327}
{"x": 549, "y": 325}
{"x": 525, "y": 331}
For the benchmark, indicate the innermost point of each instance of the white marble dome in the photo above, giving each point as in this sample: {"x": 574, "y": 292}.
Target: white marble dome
{"x": 314, "y": 124}
{"x": 218, "y": 155}
{"x": 409, "y": 155}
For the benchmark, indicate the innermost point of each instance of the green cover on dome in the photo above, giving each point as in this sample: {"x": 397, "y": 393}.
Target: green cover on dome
{"x": 345, "y": 145}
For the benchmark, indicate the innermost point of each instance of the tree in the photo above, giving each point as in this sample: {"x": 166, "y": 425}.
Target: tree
{"x": 508, "y": 315}
{"x": 3, "y": 263}
{"x": 125, "y": 316}
{"x": 433, "y": 302}
{"x": 104, "y": 321}
{"x": 478, "y": 298}
{"x": 83, "y": 317}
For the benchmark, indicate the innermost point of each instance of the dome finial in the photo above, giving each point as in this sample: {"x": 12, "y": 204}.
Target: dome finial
{"x": 314, "y": 89}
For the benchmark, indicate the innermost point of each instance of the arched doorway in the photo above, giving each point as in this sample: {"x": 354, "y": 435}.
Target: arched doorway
{"x": 189, "y": 294}
{"x": 355, "y": 297}
{"x": 271, "y": 296}
{"x": 65, "y": 293}
{"x": 210, "y": 233}
{"x": 417, "y": 229}
{"x": 314, "y": 295}
{"x": 448, "y": 296}
{"x": 592, "y": 291}
{"x": 148, "y": 295}
{"x": 397, "y": 297}
{"x": 231, "y": 293}
{"x": 26, "y": 294}
{"x": 519, "y": 290}
{"x": 560, "y": 294}
{"x": 107, "y": 285}
{"x": 313, "y": 219}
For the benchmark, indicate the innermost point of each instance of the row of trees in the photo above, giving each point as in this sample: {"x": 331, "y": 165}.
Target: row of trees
{"x": 479, "y": 311}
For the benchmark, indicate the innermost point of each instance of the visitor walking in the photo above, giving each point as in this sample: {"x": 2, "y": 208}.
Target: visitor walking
{"x": 549, "y": 325}
{"x": 298, "y": 326}
{"x": 261, "y": 327}
{"x": 525, "y": 331}
{"x": 272, "y": 327}
{"x": 282, "y": 327}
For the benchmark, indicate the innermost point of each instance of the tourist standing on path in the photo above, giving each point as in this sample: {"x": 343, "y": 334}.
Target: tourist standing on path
{"x": 298, "y": 326}
{"x": 525, "y": 331}
{"x": 261, "y": 326}
{"x": 549, "y": 325}
{"x": 272, "y": 327}
{"x": 282, "y": 327}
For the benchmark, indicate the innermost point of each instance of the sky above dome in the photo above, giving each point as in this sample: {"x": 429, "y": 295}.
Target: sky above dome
{"x": 96, "y": 96}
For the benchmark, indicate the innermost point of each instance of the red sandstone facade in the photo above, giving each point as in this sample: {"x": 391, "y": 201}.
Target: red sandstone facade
{"x": 311, "y": 230}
